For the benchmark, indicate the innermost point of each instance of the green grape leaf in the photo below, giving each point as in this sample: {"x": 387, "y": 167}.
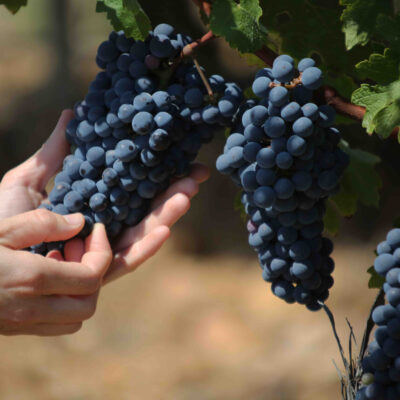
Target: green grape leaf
{"x": 389, "y": 29}
{"x": 342, "y": 83}
{"x": 381, "y": 68}
{"x": 14, "y": 5}
{"x": 360, "y": 18}
{"x": 126, "y": 15}
{"x": 361, "y": 182}
{"x": 291, "y": 30}
{"x": 346, "y": 200}
{"x": 375, "y": 281}
{"x": 382, "y": 107}
{"x": 331, "y": 219}
{"x": 238, "y": 23}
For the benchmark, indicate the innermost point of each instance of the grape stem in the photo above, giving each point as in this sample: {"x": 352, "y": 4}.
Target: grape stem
{"x": 189, "y": 49}
{"x": 327, "y": 94}
{"x": 295, "y": 82}
{"x": 349, "y": 381}
{"x": 203, "y": 78}
{"x": 333, "y": 325}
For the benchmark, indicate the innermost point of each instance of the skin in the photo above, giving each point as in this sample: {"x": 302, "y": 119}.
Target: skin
{"x": 53, "y": 295}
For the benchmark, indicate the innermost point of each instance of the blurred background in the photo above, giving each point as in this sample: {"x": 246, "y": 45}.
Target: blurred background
{"x": 197, "y": 321}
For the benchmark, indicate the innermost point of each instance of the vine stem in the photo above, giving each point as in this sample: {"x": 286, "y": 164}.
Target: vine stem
{"x": 327, "y": 94}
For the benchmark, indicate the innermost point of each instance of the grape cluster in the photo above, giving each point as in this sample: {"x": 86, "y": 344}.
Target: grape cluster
{"x": 284, "y": 154}
{"x": 141, "y": 123}
{"x": 381, "y": 366}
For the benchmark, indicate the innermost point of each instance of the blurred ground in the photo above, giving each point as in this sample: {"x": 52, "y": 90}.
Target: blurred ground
{"x": 197, "y": 322}
{"x": 185, "y": 327}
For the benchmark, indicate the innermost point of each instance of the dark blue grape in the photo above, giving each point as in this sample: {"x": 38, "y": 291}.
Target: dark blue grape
{"x": 283, "y": 70}
{"x": 126, "y": 150}
{"x": 296, "y": 145}
{"x": 110, "y": 177}
{"x": 279, "y": 96}
{"x": 98, "y": 202}
{"x": 266, "y": 158}
{"x": 275, "y": 127}
{"x": 312, "y": 78}
{"x": 311, "y": 111}
{"x": 305, "y": 63}
{"x": 96, "y": 156}
{"x": 137, "y": 69}
{"x": 73, "y": 201}
{"x": 58, "y": 192}
{"x": 264, "y": 196}
{"x": 164, "y": 120}
{"x": 107, "y": 52}
{"x": 160, "y": 46}
{"x": 254, "y": 133}
{"x": 261, "y": 86}
{"x": 250, "y": 151}
{"x": 291, "y": 111}
{"x": 147, "y": 189}
{"x": 284, "y": 188}
{"x": 303, "y": 127}
{"x": 142, "y": 122}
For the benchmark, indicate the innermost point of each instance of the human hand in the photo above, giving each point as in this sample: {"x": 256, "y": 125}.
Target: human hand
{"x": 23, "y": 189}
{"x": 135, "y": 245}
{"x": 49, "y": 296}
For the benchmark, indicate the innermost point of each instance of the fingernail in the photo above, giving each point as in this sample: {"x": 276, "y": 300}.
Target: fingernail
{"x": 74, "y": 219}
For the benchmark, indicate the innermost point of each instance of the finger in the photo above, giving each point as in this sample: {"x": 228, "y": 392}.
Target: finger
{"x": 39, "y": 168}
{"x": 63, "y": 309}
{"x": 128, "y": 260}
{"x": 187, "y": 186}
{"x": 38, "y": 226}
{"x": 74, "y": 250}
{"x": 55, "y": 255}
{"x": 37, "y": 275}
{"x": 98, "y": 253}
{"x": 56, "y": 329}
{"x": 200, "y": 173}
{"x": 46, "y": 329}
{"x": 166, "y": 214}
{"x": 52, "y": 309}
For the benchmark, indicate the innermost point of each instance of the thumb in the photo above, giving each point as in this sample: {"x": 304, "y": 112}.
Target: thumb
{"x": 37, "y": 170}
{"x": 38, "y": 226}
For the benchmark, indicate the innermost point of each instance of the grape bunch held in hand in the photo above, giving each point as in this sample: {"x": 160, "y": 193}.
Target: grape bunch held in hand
{"x": 381, "y": 366}
{"x": 284, "y": 154}
{"x": 141, "y": 124}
